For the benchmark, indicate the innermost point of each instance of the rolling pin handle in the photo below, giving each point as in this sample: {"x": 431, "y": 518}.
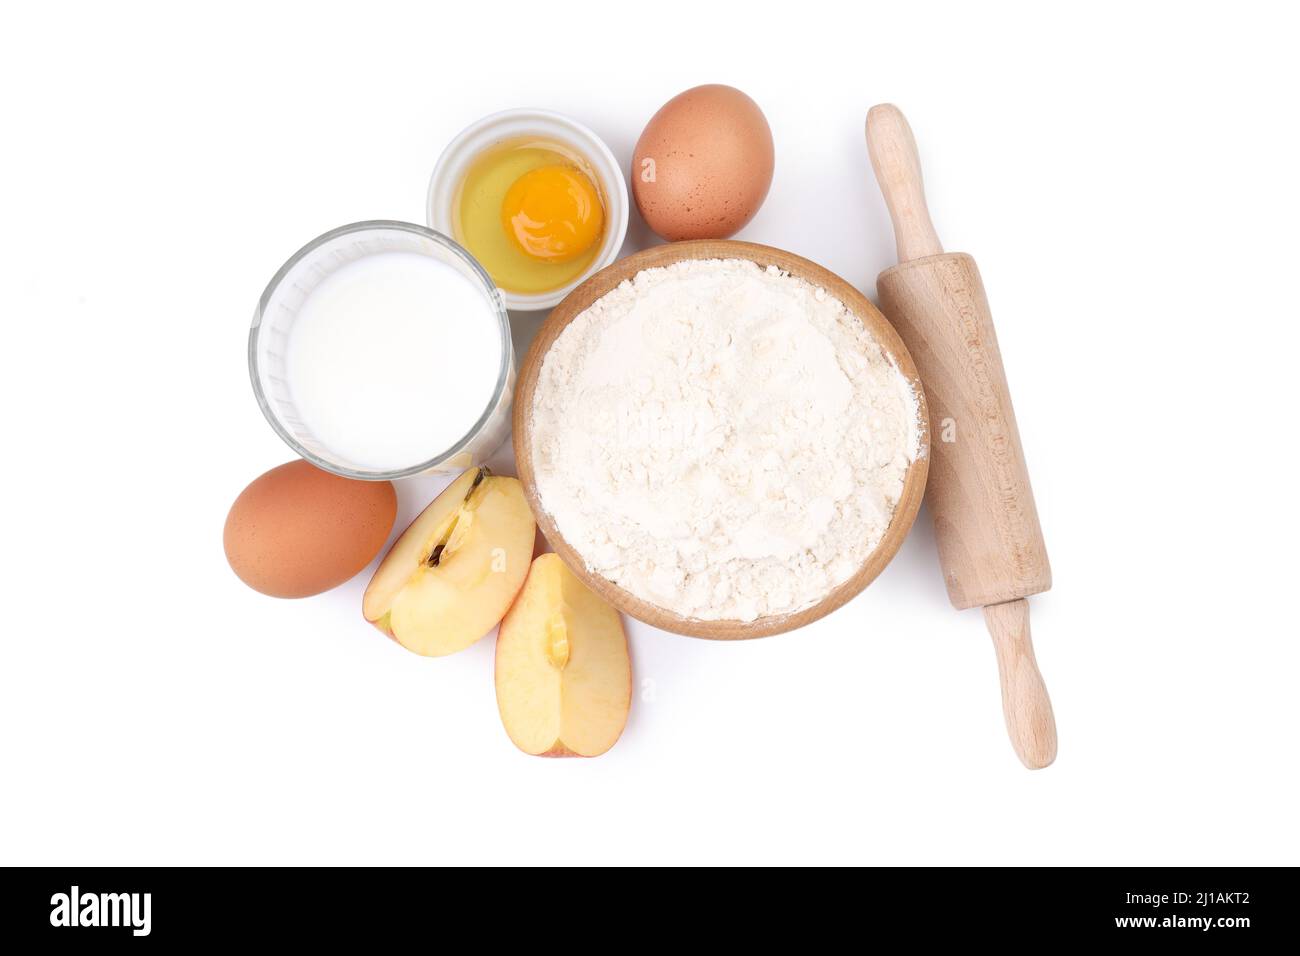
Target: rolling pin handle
{"x": 898, "y": 170}
{"x": 1025, "y": 704}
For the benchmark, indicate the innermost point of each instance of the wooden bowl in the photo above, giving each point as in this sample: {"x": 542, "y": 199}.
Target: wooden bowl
{"x": 606, "y": 280}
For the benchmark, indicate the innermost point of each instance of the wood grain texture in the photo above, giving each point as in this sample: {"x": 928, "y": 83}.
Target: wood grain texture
{"x": 986, "y": 525}
{"x": 606, "y": 280}
{"x": 991, "y": 546}
{"x": 1031, "y": 724}
{"x": 894, "y": 157}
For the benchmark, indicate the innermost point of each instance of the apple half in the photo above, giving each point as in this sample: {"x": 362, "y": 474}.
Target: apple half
{"x": 563, "y": 675}
{"x": 452, "y": 575}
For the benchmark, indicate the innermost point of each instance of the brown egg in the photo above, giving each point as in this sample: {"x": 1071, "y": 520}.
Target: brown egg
{"x": 298, "y": 531}
{"x": 703, "y": 165}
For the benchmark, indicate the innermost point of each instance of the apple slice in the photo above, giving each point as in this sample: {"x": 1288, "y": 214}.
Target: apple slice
{"x": 451, "y": 576}
{"x": 563, "y": 676}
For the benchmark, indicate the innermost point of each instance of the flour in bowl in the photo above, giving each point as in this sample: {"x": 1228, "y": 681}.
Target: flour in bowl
{"x": 722, "y": 440}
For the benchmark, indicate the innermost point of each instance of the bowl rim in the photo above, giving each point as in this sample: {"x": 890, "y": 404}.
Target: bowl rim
{"x": 454, "y": 159}
{"x": 607, "y": 279}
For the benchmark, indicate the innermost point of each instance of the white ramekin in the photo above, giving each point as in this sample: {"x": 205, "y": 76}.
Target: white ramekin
{"x": 509, "y": 124}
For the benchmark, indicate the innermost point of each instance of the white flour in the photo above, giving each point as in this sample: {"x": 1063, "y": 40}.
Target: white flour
{"x": 722, "y": 440}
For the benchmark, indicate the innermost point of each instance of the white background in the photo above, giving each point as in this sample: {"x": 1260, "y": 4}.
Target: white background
{"x": 1125, "y": 175}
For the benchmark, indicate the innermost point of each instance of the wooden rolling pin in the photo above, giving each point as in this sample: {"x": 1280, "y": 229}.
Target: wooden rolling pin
{"x": 990, "y": 544}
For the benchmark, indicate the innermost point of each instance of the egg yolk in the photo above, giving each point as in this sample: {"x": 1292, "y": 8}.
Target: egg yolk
{"x": 552, "y": 213}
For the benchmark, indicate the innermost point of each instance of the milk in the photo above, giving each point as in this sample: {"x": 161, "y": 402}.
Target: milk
{"x": 392, "y": 359}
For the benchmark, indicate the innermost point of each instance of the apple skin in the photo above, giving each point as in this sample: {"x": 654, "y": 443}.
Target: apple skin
{"x": 559, "y": 750}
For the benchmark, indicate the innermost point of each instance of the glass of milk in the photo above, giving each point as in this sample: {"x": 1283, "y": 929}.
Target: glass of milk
{"x": 382, "y": 350}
